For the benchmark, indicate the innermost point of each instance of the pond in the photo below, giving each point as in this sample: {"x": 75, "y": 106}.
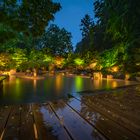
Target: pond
{"x": 18, "y": 90}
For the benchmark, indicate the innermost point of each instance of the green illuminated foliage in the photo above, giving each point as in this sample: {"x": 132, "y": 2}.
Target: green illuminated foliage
{"x": 5, "y": 61}
{"x": 79, "y": 61}
{"x": 19, "y": 57}
{"x": 48, "y": 58}
{"x": 109, "y": 58}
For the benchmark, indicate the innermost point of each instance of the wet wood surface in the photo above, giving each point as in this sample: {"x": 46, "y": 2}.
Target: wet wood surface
{"x": 77, "y": 118}
{"x": 106, "y": 126}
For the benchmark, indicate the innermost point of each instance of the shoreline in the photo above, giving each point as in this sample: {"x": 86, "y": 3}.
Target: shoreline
{"x": 22, "y": 75}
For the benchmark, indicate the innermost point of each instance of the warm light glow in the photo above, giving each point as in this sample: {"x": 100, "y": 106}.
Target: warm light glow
{"x": 114, "y": 84}
{"x": 59, "y": 82}
{"x": 97, "y": 75}
{"x": 34, "y": 84}
{"x": 92, "y": 65}
{"x": 115, "y": 68}
{"x": 12, "y": 71}
{"x": 59, "y": 61}
{"x": 97, "y": 83}
{"x": 35, "y": 74}
{"x": 6, "y": 73}
{"x": 127, "y": 76}
{"x": 109, "y": 76}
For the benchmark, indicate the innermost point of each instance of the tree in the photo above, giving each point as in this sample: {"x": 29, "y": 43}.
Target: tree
{"x": 56, "y": 40}
{"x": 118, "y": 22}
{"x": 86, "y": 25}
{"x": 132, "y": 61}
{"x": 36, "y": 59}
{"x": 19, "y": 58}
{"x": 28, "y": 15}
{"x": 123, "y": 25}
{"x": 27, "y": 18}
{"x": 87, "y": 28}
{"x": 5, "y": 61}
{"x": 109, "y": 58}
{"x": 82, "y": 46}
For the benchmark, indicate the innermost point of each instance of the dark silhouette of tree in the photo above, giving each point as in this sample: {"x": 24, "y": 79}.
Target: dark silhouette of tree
{"x": 86, "y": 25}
{"x": 56, "y": 40}
{"x": 27, "y": 18}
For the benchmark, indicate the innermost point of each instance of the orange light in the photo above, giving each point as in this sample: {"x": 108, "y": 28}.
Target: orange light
{"x": 92, "y": 65}
{"x": 59, "y": 61}
{"x": 115, "y": 69}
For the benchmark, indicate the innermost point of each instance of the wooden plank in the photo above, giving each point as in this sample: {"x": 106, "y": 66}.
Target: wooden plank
{"x": 26, "y": 130}
{"x": 48, "y": 126}
{"x": 121, "y": 105}
{"x": 78, "y": 128}
{"x": 111, "y": 114}
{"x": 106, "y": 126}
{"x": 12, "y": 127}
{"x": 4, "y": 115}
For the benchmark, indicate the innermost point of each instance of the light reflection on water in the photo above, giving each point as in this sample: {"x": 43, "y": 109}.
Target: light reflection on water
{"x": 16, "y": 90}
{"x": 78, "y": 83}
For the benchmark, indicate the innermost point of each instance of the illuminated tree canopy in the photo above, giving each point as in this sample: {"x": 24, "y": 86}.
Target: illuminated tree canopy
{"x": 29, "y": 41}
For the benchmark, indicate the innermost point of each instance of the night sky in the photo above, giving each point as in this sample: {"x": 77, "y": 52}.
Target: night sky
{"x": 71, "y": 14}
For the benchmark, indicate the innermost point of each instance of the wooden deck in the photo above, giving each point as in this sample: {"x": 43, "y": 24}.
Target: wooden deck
{"x": 73, "y": 119}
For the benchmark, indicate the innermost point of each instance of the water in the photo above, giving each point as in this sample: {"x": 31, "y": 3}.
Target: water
{"x": 16, "y": 90}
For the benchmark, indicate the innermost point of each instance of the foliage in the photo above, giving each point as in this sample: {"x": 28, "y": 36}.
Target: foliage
{"x": 28, "y": 15}
{"x": 5, "y": 61}
{"x": 48, "y": 58}
{"x": 36, "y": 59}
{"x": 87, "y": 28}
{"x": 23, "y": 21}
{"x": 86, "y": 25}
{"x": 132, "y": 63}
{"x": 69, "y": 61}
{"x": 123, "y": 25}
{"x": 19, "y": 57}
{"x": 56, "y": 40}
{"x": 59, "y": 62}
{"x": 79, "y": 61}
{"x": 115, "y": 34}
{"x": 113, "y": 39}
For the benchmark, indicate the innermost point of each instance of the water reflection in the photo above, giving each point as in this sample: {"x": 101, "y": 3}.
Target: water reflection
{"x": 1, "y": 87}
{"x": 114, "y": 84}
{"x": 73, "y": 121}
{"x": 16, "y": 90}
{"x": 85, "y": 111}
{"x": 34, "y": 83}
{"x": 97, "y": 83}
{"x": 18, "y": 87}
{"x": 59, "y": 83}
{"x": 78, "y": 83}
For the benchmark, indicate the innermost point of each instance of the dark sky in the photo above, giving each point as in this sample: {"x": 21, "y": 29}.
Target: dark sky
{"x": 71, "y": 14}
